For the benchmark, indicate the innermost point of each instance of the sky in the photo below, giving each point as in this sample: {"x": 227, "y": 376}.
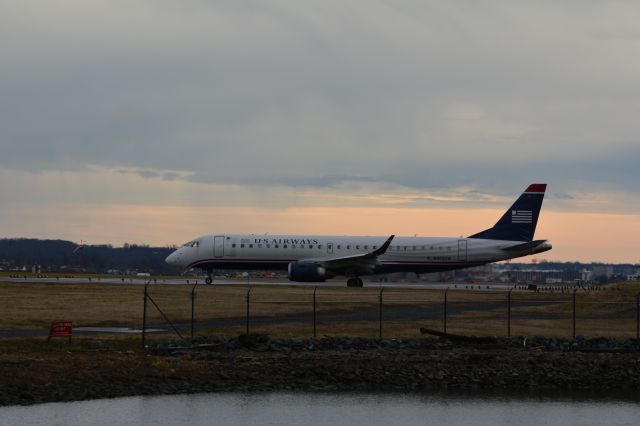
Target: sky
{"x": 155, "y": 121}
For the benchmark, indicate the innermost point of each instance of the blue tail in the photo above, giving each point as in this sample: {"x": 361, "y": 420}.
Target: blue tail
{"x": 519, "y": 222}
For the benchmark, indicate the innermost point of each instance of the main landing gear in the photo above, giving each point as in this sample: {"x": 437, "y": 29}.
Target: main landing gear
{"x": 354, "y": 282}
{"x": 209, "y": 278}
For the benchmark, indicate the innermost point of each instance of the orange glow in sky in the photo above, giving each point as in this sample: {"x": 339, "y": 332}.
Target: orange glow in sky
{"x": 582, "y": 237}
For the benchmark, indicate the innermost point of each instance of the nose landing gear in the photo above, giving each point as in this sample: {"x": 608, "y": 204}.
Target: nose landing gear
{"x": 354, "y": 282}
{"x": 209, "y": 278}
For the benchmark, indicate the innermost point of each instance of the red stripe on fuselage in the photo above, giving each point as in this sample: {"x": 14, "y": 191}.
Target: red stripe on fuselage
{"x": 240, "y": 261}
{"x": 395, "y": 262}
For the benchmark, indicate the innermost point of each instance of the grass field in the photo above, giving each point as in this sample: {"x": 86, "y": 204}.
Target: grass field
{"x": 287, "y": 311}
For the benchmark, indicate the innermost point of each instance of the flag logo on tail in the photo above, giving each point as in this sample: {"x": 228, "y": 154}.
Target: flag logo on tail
{"x": 521, "y": 216}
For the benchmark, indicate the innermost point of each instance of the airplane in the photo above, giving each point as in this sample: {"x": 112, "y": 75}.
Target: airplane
{"x": 309, "y": 258}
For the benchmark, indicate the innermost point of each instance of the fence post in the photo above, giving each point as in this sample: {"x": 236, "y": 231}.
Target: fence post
{"x": 638, "y": 316}
{"x": 144, "y": 315}
{"x": 193, "y": 306}
{"x": 380, "y": 313}
{"x": 575, "y": 290}
{"x": 314, "y": 311}
{"x": 445, "y": 309}
{"x": 248, "y": 299}
{"x": 509, "y": 313}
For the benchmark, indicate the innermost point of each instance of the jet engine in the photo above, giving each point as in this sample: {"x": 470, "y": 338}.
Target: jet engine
{"x": 306, "y": 272}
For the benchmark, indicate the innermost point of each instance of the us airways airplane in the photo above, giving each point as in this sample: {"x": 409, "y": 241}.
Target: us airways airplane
{"x": 316, "y": 258}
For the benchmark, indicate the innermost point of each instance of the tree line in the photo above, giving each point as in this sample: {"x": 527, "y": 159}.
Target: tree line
{"x": 61, "y": 255}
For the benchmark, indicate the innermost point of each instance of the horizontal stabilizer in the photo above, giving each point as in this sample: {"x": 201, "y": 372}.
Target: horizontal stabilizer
{"x": 525, "y": 246}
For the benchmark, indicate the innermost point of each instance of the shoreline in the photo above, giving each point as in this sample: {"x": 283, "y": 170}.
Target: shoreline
{"x": 255, "y": 363}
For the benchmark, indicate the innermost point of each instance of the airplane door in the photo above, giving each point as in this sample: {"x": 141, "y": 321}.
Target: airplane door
{"x": 329, "y": 248}
{"x": 462, "y": 250}
{"x": 218, "y": 246}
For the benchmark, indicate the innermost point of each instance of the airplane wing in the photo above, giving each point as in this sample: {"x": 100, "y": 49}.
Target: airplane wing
{"x": 357, "y": 263}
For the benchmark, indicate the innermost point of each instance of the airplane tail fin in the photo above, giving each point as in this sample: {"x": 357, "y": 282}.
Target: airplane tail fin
{"x": 519, "y": 222}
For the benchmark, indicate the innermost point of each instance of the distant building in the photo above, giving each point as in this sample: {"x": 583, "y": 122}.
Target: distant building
{"x": 603, "y": 271}
{"x": 544, "y": 276}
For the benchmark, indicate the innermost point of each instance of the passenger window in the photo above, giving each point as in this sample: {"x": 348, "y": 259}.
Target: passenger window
{"x": 233, "y": 245}
{"x": 284, "y": 246}
{"x": 366, "y": 247}
{"x": 259, "y": 245}
{"x": 268, "y": 245}
{"x": 319, "y": 246}
{"x": 338, "y": 246}
{"x": 293, "y": 246}
{"x": 241, "y": 245}
{"x": 276, "y": 246}
{"x": 348, "y": 247}
{"x": 310, "y": 246}
{"x": 250, "y": 245}
{"x": 375, "y": 247}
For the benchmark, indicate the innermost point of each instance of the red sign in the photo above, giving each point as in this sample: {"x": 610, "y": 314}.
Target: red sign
{"x": 61, "y": 329}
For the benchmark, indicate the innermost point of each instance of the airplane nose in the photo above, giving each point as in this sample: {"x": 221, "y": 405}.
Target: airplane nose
{"x": 172, "y": 259}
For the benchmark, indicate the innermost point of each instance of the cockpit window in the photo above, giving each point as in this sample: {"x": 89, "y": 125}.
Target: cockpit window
{"x": 195, "y": 243}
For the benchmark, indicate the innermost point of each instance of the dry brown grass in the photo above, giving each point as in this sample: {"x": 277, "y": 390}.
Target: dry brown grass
{"x": 611, "y": 312}
{"x": 28, "y": 305}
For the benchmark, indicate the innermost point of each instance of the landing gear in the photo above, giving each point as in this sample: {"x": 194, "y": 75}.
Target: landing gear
{"x": 354, "y": 282}
{"x": 209, "y": 278}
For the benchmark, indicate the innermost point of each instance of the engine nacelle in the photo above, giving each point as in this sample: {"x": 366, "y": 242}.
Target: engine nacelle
{"x": 306, "y": 272}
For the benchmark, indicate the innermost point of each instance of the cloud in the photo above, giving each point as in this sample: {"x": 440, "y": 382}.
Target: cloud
{"x": 320, "y": 97}
{"x": 562, "y": 196}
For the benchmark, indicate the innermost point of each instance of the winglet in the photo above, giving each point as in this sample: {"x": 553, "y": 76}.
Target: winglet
{"x": 383, "y": 248}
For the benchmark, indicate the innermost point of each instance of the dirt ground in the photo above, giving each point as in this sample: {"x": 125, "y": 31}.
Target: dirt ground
{"x": 35, "y": 372}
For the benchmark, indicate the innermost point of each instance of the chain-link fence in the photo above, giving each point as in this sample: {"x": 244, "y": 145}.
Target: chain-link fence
{"x": 390, "y": 312}
{"x": 287, "y": 311}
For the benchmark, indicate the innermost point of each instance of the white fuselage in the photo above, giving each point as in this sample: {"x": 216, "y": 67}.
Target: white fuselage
{"x": 411, "y": 254}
